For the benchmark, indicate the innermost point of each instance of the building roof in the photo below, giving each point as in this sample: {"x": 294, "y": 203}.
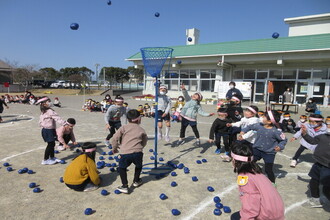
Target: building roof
{"x": 318, "y": 17}
{"x": 279, "y": 45}
{"x": 4, "y": 66}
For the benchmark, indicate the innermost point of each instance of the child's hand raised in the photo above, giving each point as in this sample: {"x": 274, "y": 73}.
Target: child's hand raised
{"x": 182, "y": 86}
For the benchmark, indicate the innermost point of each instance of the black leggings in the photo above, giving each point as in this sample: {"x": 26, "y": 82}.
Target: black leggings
{"x": 315, "y": 191}
{"x": 269, "y": 171}
{"x": 113, "y": 127}
{"x": 123, "y": 175}
{"x": 298, "y": 152}
{"x": 49, "y": 152}
{"x": 225, "y": 139}
{"x": 184, "y": 125}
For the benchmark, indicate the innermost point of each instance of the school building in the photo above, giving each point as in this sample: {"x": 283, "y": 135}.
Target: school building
{"x": 300, "y": 61}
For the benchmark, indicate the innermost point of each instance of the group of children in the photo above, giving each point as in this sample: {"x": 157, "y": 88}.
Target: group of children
{"x": 27, "y": 98}
{"x": 259, "y": 137}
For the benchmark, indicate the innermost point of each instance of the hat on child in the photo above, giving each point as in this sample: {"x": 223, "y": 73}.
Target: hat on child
{"x": 286, "y": 114}
{"x": 42, "y": 100}
{"x": 222, "y": 111}
{"x": 303, "y": 117}
{"x": 200, "y": 96}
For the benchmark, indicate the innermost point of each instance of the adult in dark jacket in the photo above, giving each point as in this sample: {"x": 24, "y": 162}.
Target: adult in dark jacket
{"x": 320, "y": 171}
{"x": 311, "y": 106}
{"x": 234, "y": 92}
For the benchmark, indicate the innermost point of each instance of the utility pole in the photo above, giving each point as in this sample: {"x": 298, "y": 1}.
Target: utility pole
{"x": 96, "y": 72}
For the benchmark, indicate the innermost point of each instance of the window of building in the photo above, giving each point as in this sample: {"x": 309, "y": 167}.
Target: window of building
{"x": 238, "y": 74}
{"x": 289, "y": 74}
{"x": 207, "y": 80}
{"x": 302, "y": 88}
{"x": 262, "y": 75}
{"x": 275, "y": 74}
{"x": 249, "y": 74}
{"x": 304, "y": 74}
{"x": 320, "y": 73}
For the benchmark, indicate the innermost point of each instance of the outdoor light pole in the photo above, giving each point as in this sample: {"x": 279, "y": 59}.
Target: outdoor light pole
{"x": 96, "y": 72}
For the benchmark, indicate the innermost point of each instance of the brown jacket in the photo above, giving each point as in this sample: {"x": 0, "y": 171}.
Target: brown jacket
{"x": 130, "y": 138}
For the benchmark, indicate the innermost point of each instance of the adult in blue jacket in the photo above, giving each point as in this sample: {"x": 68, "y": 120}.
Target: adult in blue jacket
{"x": 233, "y": 91}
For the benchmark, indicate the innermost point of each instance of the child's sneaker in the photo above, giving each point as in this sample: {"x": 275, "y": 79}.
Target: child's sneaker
{"x": 293, "y": 163}
{"x": 218, "y": 151}
{"x": 56, "y": 160}
{"x": 44, "y": 162}
{"x": 197, "y": 143}
{"x": 123, "y": 189}
{"x": 315, "y": 202}
{"x": 107, "y": 143}
{"x": 167, "y": 138}
{"x": 90, "y": 187}
{"x": 138, "y": 183}
{"x": 61, "y": 147}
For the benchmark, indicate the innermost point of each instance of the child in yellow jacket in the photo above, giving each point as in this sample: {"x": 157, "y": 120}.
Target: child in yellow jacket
{"x": 82, "y": 174}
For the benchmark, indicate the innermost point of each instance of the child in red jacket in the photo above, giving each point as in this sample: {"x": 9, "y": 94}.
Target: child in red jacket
{"x": 259, "y": 198}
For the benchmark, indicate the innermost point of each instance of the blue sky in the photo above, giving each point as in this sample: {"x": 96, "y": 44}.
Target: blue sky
{"x": 37, "y": 32}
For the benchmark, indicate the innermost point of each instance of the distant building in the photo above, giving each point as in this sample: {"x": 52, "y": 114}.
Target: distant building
{"x": 5, "y": 73}
{"x": 300, "y": 61}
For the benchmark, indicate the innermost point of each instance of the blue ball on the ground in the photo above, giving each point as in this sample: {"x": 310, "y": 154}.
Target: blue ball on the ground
{"x": 217, "y": 212}
{"x": 61, "y": 180}
{"x": 110, "y": 147}
{"x": 101, "y": 158}
{"x": 56, "y": 152}
{"x": 151, "y": 150}
{"x": 161, "y": 159}
{"x": 275, "y": 35}
{"x": 173, "y": 174}
{"x": 226, "y": 209}
{"x": 180, "y": 166}
{"x": 210, "y": 188}
{"x": 77, "y": 150}
{"x": 174, "y": 184}
{"x": 30, "y": 172}
{"x": 32, "y": 185}
{"x": 25, "y": 169}
{"x": 110, "y": 152}
{"x": 37, "y": 190}
{"x": 204, "y": 160}
{"x": 152, "y": 158}
{"x": 104, "y": 192}
{"x": 62, "y": 162}
{"x": 155, "y": 153}
{"x": 175, "y": 212}
{"x": 157, "y": 14}
{"x": 219, "y": 205}
{"x": 9, "y": 169}
{"x": 117, "y": 191}
{"x": 163, "y": 196}
{"x": 198, "y": 161}
{"x": 99, "y": 167}
{"x": 216, "y": 199}
{"x": 108, "y": 164}
{"x": 194, "y": 178}
{"x": 110, "y": 158}
{"x": 113, "y": 164}
{"x": 20, "y": 171}
{"x": 112, "y": 169}
{"x": 6, "y": 164}
{"x": 104, "y": 153}
{"x": 88, "y": 211}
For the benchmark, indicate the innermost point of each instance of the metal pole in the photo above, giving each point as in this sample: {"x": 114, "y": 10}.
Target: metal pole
{"x": 104, "y": 77}
{"x": 156, "y": 121}
{"x": 96, "y": 72}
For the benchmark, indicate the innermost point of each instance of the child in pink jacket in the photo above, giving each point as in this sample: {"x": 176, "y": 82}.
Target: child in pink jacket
{"x": 65, "y": 134}
{"x": 259, "y": 198}
{"x": 47, "y": 122}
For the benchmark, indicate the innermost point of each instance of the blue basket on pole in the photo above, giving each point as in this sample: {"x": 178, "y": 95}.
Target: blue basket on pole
{"x": 154, "y": 59}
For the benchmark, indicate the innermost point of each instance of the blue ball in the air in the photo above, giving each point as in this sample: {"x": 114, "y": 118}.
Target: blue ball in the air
{"x": 157, "y": 14}
{"x": 74, "y": 26}
{"x": 275, "y": 35}
{"x": 189, "y": 39}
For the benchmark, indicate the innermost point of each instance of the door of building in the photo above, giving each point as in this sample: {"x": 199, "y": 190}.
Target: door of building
{"x": 319, "y": 91}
